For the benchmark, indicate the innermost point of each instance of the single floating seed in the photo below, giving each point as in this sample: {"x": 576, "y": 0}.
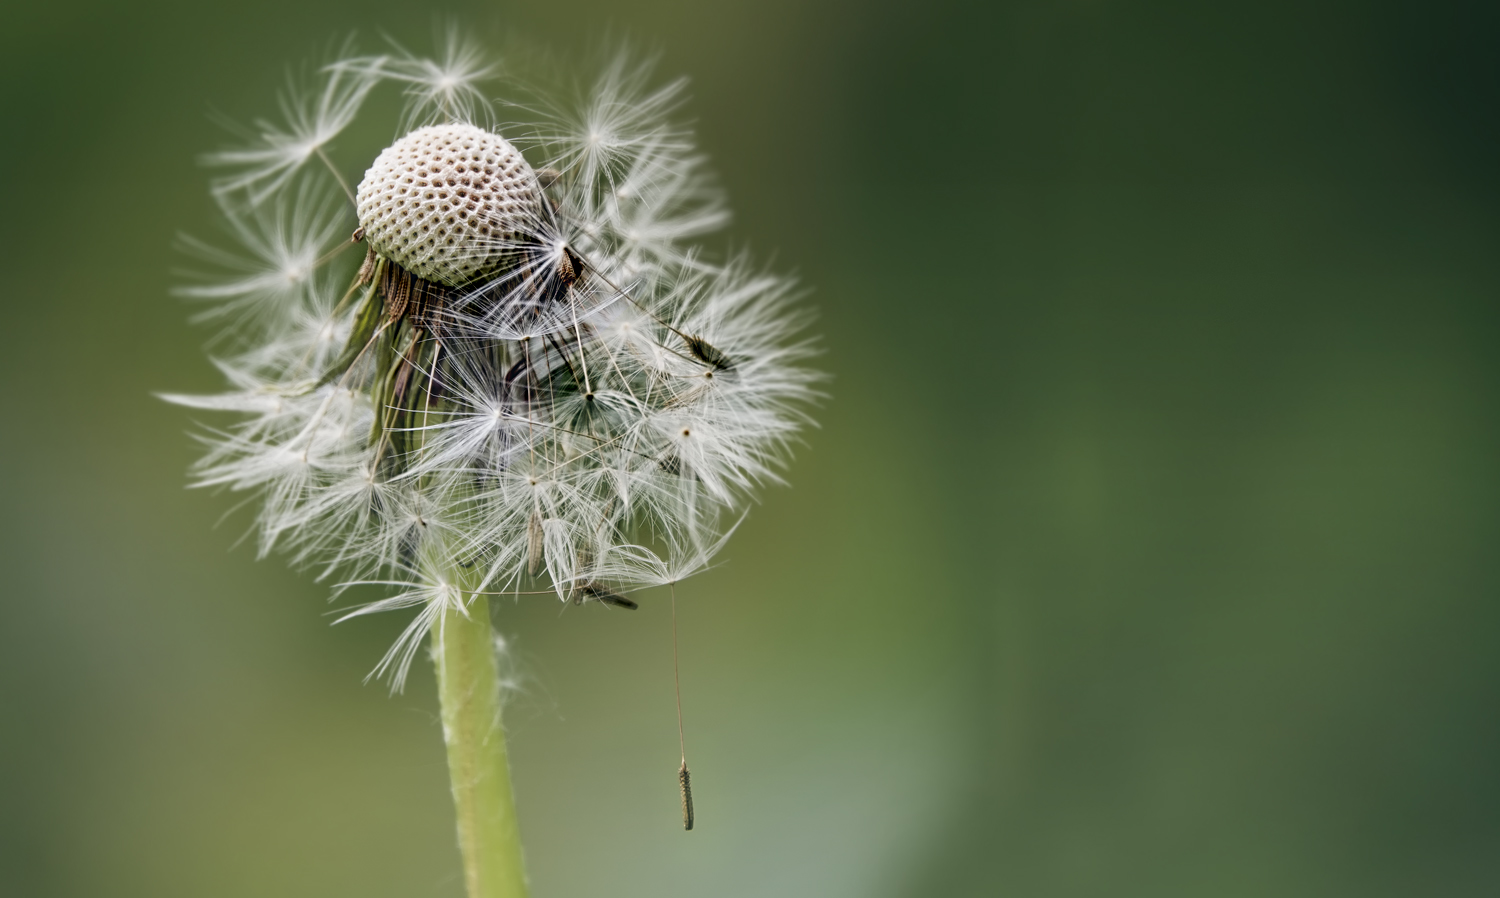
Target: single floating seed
{"x": 685, "y": 781}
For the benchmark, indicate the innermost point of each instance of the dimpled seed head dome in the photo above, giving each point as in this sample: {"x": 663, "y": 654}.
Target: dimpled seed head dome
{"x": 448, "y": 202}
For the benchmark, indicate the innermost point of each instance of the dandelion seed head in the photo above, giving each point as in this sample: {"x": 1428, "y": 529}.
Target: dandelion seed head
{"x": 448, "y": 202}
{"x": 539, "y": 385}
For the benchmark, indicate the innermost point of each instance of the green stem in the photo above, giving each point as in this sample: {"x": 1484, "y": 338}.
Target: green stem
{"x": 469, "y": 687}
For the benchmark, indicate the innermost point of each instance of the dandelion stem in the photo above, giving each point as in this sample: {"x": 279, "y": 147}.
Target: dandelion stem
{"x": 468, "y": 684}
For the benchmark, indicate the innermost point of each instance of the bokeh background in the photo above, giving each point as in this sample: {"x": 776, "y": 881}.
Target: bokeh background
{"x": 1148, "y": 546}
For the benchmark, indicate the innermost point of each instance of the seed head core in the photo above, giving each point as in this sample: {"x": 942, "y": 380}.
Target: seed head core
{"x": 449, "y": 203}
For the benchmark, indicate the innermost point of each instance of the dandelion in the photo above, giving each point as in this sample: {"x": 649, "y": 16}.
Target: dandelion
{"x": 532, "y": 383}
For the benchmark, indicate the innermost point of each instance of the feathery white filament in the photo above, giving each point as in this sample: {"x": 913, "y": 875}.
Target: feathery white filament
{"x": 593, "y": 407}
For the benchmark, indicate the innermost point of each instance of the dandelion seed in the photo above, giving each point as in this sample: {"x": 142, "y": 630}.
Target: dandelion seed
{"x": 684, "y": 781}
{"x": 270, "y": 161}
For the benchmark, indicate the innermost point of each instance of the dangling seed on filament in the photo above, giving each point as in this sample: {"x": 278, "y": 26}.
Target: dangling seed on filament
{"x": 593, "y": 592}
{"x": 684, "y": 779}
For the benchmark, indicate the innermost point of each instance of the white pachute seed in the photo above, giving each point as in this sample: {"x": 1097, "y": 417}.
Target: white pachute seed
{"x": 449, "y": 203}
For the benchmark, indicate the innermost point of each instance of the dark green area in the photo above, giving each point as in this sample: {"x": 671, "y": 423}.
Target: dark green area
{"x": 1148, "y": 546}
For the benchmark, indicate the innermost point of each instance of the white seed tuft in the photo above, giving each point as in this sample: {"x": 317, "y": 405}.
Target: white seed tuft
{"x": 582, "y": 409}
{"x": 449, "y": 203}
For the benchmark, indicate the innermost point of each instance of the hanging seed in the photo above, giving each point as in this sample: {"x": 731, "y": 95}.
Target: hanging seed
{"x": 596, "y": 593}
{"x": 685, "y": 781}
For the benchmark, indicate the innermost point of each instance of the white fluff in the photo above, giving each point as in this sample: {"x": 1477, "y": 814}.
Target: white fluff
{"x": 562, "y": 432}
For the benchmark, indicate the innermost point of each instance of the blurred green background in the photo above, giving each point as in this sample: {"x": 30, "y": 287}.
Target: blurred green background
{"x": 1148, "y": 546}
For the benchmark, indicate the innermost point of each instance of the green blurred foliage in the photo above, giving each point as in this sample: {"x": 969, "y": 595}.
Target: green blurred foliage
{"x": 1147, "y": 547}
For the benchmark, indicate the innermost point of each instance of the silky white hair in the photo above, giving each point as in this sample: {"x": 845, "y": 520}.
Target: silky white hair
{"x": 573, "y": 433}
